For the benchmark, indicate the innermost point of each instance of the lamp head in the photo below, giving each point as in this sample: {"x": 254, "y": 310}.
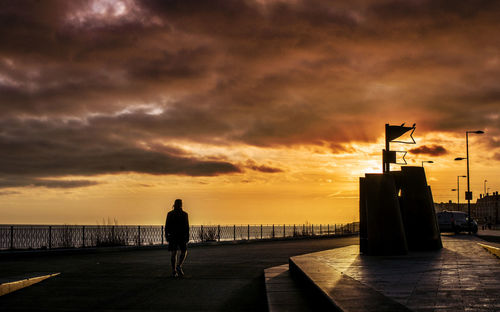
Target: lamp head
{"x": 460, "y": 158}
{"x": 462, "y": 176}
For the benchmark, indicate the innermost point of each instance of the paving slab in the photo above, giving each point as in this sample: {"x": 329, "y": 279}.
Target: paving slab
{"x": 462, "y": 276}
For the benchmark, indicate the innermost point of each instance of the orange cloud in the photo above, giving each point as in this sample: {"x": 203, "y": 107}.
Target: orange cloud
{"x": 432, "y": 150}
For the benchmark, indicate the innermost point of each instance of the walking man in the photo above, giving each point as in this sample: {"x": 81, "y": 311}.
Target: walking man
{"x": 177, "y": 236}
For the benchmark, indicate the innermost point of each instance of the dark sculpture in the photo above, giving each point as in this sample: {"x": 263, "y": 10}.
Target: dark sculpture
{"x": 392, "y": 224}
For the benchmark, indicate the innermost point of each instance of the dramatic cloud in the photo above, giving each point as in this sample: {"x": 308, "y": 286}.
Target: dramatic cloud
{"x": 432, "y": 150}
{"x": 31, "y": 149}
{"x": 105, "y": 86}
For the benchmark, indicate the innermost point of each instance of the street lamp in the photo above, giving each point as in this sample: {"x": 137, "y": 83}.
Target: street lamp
{"x": 485, "y": 192}
{"x": 454, "y": 190}
{"x": 468, "y": 194}
{"x": 427, "y": 162}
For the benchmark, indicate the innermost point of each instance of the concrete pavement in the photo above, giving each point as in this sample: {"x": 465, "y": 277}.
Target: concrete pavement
{"x": 218, "y": 278}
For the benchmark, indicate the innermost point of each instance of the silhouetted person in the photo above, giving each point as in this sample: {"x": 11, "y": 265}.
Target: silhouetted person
{"x": 177, "y": 236}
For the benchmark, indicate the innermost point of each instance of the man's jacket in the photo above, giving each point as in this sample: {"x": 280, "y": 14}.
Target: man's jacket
{"x": 177, "y": 226}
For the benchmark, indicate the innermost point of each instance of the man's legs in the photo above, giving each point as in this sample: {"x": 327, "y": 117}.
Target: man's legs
{"x": 182, "y": 257}
{"x": 173, "y": 260}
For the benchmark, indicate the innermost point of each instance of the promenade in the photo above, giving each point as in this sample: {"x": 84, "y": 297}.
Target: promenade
{"x": 218, "y": 278}
{"x": 463, "y": 276}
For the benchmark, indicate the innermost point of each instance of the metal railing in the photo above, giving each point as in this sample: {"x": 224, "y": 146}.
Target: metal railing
{"x": 77, "y": 236}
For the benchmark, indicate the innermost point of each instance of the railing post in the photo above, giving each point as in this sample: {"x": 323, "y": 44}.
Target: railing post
{"x": 234, "y": 232}
{"x": 139, "y": 235}
{"x": 50, "y": 236}
{"x": 218, "y": 232}
{"x": 320, "y": 231}
{"x": 202, "y": 233}
{"x": 312, "y": 229}
{"x": 11, "y": 237}
{"x": 83, "y": 235}
{"x": 303, "y": 229}
{"x": 328, "y": 230}
{"x": 248, "y": 232}
{"x": 294, "y": 229}
{"x": 284, "y": 230}
{"x": 273, "y": 230}
{"x": 335, "y": 230}
{"x": 261, "y": 231}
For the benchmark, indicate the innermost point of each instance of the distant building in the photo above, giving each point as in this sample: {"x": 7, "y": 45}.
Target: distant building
{"x": 449, "y": 206}
{"x": 487, "y": 208}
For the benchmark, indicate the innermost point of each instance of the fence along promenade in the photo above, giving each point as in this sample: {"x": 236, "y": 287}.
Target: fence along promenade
{"x": 79, "y": 236}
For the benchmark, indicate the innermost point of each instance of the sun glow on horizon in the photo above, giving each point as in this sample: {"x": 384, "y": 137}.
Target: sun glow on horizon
{"x": 311, "y": 185}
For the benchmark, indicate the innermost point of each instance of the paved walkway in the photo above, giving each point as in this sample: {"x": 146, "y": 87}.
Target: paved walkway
{"x": 463, "y": 276}
{"x": 488, "y": 232}
{"x": 219, "y": 278}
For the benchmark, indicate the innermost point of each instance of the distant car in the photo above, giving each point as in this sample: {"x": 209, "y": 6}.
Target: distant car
{"x": 455, "y": 221}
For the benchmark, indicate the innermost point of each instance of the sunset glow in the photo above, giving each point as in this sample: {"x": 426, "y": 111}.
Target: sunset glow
{"x": 250, "y": 111}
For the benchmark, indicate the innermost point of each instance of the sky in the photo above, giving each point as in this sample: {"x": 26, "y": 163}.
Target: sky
{"x": 257, "y": 111}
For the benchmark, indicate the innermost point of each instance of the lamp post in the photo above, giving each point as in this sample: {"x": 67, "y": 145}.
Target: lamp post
{"x": 455, "y": 190}
{"x": 468, "y": 195}
{"x": 485, "y": 191}
{"x": 458, "y": 191}
{"x": 427, "y": 161}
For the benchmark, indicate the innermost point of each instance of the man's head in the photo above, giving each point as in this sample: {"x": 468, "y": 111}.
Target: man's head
{"x": 178, "y": 204}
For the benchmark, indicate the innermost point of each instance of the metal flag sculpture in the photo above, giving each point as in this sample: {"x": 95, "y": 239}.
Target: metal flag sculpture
{"x": 391, "y": 134}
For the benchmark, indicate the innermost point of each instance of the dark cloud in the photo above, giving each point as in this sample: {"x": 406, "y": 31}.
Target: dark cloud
{"x": 19, "y": 181}
{"x": 91, "y": 87}
{"x": 262, "y": 168}
{"x": 31, "y": 149}
{"x": 432, "y": 150}
{"x": 5, "y": 193}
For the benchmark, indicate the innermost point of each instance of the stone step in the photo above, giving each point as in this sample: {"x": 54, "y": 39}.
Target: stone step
{"x": 12, "y": 285}
{"x": 286, "y": 294}
{"x": 283, "y": 294}
{"x": 341, "y": 291}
